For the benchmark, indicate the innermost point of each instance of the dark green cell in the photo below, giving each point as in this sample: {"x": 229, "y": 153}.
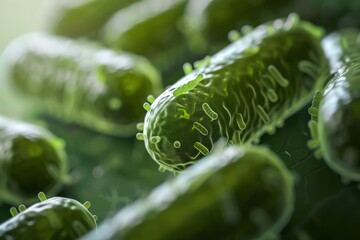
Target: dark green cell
{"x": 209, "y": 21}
{"x": 31, "y": 160}
{"x": 243, "y": 91}
{"x": 150, "y": 28}
{"x": 235, "y": 193}
{"x": 336, "y": 109}
{"x": 323, "y": 222}
{"x": 315, "y": 181}
{"x": 56, "y": 218}
{"x": 80, "y": 82}
{"x": 81, "y": 17}
{"x": 330, "y": 14}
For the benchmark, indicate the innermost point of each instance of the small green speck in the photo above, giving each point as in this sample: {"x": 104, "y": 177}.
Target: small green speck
{"x": 87, "y": 204}
{"x": 155, "y": 139}
{"x": 251, "y": 51}
{"x": 147, "y": 106}
{"x": 187, "y": 68}
{"x": 140, "y": 126}
{"x": 150, "y": 98}
{"x": 13, "y": 211}
{"x": 188, "y": 86}
{"x": 162, "y": 169}
{"x": 140, "y": 136}
{"x": 42, "y": 196}
{"x": 177, "y": 144}
{"x": 22, "y": 208}
{"x": 234, "y": 35}
{"x": 114, "y": 103}
{"x": 247, "y": 29}
{"x": 34, "y": 151}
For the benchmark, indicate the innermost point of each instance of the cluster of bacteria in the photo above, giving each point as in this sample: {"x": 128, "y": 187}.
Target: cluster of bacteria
{"x": 121, "y": 70}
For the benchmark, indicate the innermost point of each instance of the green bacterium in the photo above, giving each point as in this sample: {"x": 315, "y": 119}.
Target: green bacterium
{"x": 31, "y": 160}
{"x": 245, "y": 192}
{"x": 56, "y": 218}
{"x": 335, "y": 110}
{"x": 243, "y": 91}
{"x": 81, "y": 82}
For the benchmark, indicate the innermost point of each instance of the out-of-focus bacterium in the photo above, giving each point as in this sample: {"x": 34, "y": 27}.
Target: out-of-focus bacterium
{"x": 247, "y": 192}
{"x": 80, "y": 82}
{"x": 80, "y": 18}
{"x": 31, "y": 160}
{"x": 208, "y": 21}
{"x": 335, "y": 110}
{"x": 55, "y": 218}
{"x": 151, "y": 28}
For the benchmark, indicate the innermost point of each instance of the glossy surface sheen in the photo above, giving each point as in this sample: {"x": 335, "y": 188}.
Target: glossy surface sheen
{"x": 56, "y": 218}
{"x": 235, "y": 193}
{"x": 31, "y": 160}
{"x": 80, "y": 82}
{"x": 78, "y": 18}
{"x": 149, "y": 28}
{"x": 336, "y": 110}
{"x": 246, "y": 89}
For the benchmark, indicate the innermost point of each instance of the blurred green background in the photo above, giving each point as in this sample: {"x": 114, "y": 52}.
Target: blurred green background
{"x": 18, "y": 17}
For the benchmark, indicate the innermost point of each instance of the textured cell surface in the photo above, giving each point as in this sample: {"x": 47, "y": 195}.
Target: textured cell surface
{"x": 335, "y": 110}
{"x": 149, "y": 28}
{"x": 80, "y": 17}
{"x": 243, "y": 91}
{"x": 236, "y": 193}
{"x": 31, "y": 160}
{"x": 55, "y": 218}
{"x": 82, "y": 83}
